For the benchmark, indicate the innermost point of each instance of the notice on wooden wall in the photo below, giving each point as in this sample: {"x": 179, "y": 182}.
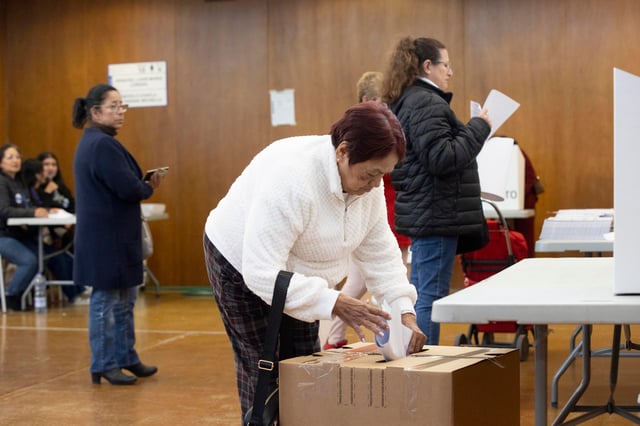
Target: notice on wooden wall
{"x": 141, "y": 84}
{"x": 283, "y": 107}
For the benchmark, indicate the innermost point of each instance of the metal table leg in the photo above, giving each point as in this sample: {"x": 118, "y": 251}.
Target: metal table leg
{"x": 540, "y": 343}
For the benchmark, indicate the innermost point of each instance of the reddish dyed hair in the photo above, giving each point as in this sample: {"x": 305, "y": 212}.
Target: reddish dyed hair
{"x": 371, "y": 130}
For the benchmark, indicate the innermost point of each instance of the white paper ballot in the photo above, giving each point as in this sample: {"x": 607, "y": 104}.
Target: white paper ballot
{"x": 60, "y": 214}
{"x": 395, "y": 341}
{"x": 499, "y": 107}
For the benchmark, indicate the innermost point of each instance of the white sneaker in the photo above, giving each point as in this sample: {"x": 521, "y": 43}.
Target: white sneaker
{"x": 81, "y": 300}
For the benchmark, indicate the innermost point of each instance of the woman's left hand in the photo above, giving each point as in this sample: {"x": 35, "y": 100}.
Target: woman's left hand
{"x": 417, "y": 336}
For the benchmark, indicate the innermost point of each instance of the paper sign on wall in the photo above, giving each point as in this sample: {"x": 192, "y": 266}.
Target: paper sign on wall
{"x": 141, "y": 84}
{"x": 283, "y": 110}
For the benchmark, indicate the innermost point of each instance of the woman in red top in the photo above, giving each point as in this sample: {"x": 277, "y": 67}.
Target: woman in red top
{"x": 368, "y": 88}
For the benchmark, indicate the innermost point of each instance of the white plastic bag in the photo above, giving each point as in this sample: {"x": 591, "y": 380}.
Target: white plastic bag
{"x": 147, "y": 240}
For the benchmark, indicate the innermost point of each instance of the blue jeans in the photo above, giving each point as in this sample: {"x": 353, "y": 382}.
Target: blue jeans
{"x": 25, "y": 260}
{"x": 111, "y": 332}
{"x": 431, "y": 267}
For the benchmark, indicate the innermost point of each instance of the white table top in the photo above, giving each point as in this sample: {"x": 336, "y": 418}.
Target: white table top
{"x": 66, "y": 220}
{"x": 588, "y": 246}
{"x": 543, "y": 291}
{"x": 16, "y": 221}
{"x": 490, "y": 213}
{"x": 160, "y": 216}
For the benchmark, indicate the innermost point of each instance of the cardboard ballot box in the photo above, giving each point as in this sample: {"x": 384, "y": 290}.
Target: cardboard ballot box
{"x": 444, "y": 385}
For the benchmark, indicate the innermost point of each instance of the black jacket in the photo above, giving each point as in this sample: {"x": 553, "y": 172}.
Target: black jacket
{"x": 14, "y": 202}
{"x": 437, "y": 185}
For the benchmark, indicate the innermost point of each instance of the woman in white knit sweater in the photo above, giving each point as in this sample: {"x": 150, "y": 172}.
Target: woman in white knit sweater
{"x": 304, "y": 204}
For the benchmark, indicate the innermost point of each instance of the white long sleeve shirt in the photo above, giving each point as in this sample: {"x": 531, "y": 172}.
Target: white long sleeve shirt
{"x": 287, "y": 211}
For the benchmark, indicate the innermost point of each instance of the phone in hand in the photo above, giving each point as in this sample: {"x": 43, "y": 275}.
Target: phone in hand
{"x": 160, "y": 170}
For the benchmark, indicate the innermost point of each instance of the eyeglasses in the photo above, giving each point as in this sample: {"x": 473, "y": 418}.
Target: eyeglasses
{"x": 447, "y": 65}
{"x": 115, "y": 107}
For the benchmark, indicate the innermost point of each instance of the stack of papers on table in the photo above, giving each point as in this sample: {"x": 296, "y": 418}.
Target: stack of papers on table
{"x": 578, "y": 224}
{"x": 60, "y": 214}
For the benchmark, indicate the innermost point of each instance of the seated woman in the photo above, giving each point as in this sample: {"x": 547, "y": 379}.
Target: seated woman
{"x": 55, "y": 188}
{"x": 61, "y": 265}
{"x": 15, "y": 202}
{"x": 56, "y": 193}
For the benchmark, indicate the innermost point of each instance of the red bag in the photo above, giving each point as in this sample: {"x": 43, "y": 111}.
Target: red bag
{"x": 495, "y": 256}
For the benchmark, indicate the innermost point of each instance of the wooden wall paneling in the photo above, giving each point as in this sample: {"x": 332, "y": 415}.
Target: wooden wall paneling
{"x": 321, "y": 47}
{"x": 223, "y": 112}
{"x": 135, "y": 31}
{"x": 138, "y": 31}
{"x": 41, "y": 40}
{"x": 588, "y": 94}
{"x": 594, "y": 54}
{"x": 542, "y": 54}
{"x": 515, "y": 47}
{"x": 3, "y": 77}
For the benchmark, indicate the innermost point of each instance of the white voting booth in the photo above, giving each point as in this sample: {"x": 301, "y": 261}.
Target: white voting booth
{"x": 626, "y": 175}
{"x": 501, "y": 169}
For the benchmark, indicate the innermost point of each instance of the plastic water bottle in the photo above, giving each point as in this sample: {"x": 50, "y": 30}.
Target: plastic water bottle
{"x": 40, "y": 286}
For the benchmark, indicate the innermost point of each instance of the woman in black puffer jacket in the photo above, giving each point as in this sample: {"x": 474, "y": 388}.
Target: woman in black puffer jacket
{"x": 437, "y": 185}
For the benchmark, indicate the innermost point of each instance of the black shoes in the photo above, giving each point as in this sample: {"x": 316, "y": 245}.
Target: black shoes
{"x": 142, "y": 370}
{"x": 115, "y": 377}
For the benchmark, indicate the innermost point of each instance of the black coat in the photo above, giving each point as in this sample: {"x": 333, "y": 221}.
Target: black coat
{"x": 14, "y": 202}
{"x": 109, "y": 188}
{"x": 437, "y": 185}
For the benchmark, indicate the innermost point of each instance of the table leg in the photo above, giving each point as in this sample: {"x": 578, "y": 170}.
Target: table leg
{"x": 576, "y": 349}
{"x": 40, "y": 250}
{"x": 153, "y": 278}
{"x": 540, "y": 347}
{"x": 584, "y": 383}
{"x": 23, "y": 301}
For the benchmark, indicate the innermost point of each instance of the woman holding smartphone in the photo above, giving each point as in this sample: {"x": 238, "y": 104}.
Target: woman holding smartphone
{"x": 109, "y": 189}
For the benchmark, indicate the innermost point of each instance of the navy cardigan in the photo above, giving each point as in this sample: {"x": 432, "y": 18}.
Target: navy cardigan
{"x": 109, "y": 188}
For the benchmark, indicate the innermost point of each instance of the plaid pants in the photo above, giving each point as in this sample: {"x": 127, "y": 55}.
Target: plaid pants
{"x": 245, "y": 318}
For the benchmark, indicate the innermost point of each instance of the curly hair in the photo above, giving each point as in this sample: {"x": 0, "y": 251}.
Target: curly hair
{"x": 405, "y": 65}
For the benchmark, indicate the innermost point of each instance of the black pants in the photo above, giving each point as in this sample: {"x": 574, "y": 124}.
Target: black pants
{"x": 245, "y": 318}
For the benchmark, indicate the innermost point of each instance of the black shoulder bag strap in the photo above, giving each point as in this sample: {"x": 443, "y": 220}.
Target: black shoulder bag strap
{"x": 267, "y": 361}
